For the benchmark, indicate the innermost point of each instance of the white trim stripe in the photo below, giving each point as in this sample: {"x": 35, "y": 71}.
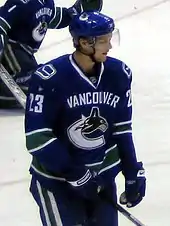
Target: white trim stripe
{"x": 122, "y": 132}
{"x": 41, "y": 2}
{"x": 123, "y": 123}
{"x": 109, "y": 167}
{"x": 82, "y": 180}
{"x": 5, "y": 22}
{"x": 111, "y": 148}
{"x": 3, "y": 30}
{"x": 101, "y": 72}
{"x": 81, "y": 74}
{"x": 2, "y": 38}
{"x": 13, "y": 7}
{"x": 55, "y": 209}
{"x": 42, "y": 146}
{"x": 38, "y": 131}
{"x": 53, "y": 16}
{"x": 61, "y": 15}
{"x": 27, "y": 50}
{"x": 46, "y": 175}
{"x": 99, "y": 163}
{"x": 43, "y": 204}
{"x": 94, "y": 164}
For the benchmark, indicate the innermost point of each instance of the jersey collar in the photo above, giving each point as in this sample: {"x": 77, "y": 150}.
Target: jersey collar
{"x": 81, "y": 74}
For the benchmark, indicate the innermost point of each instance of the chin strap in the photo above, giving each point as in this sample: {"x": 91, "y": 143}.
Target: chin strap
{"x": 91, "y": 41}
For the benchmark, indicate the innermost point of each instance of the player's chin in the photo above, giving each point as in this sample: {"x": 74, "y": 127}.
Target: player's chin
{"x": 102, "y": 58}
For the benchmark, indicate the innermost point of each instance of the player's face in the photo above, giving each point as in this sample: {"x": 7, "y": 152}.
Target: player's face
{"x": 102, "y": 47}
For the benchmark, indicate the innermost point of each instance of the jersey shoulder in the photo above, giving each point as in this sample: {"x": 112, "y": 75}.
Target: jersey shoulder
{"x": 24, "y": 4}
{"x": 11, "y": 5}
{"x": 118, "y": 71}
{"x": 50, "y": 74}
{"x": 17, "y": 2}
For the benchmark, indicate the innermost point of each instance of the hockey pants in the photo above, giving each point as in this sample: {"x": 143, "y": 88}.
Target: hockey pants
{"x": 64, "y": 208}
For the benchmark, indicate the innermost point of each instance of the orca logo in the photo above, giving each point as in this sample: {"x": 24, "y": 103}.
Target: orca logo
{"x": 39, "y": 31}
{"x": 94, "y": 124}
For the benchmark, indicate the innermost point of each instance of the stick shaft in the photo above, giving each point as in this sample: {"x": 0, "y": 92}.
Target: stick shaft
{"x": 13, "y": 86}
{"x": 129, "y": 215}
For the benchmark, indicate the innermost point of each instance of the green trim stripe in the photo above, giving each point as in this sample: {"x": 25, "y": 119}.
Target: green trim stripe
{"x": 37, "y": 140}
{"x": 111, "y": 159}
{"x": 4, "y": 26}
{"x": 122, "y": 128}
{"x": 56, "y": 20}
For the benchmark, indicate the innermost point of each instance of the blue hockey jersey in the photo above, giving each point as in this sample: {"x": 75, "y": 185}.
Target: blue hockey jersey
{"x": 74, "y": 122}
{"x": 26, "y": 21}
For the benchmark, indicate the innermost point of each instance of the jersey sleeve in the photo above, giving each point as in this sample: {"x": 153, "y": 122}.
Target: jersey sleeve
{"x": 122, "y": 127}
{"x": 61, "y": 18}
{"x": 9, "y": 14}
{"x": 42, "y": 113}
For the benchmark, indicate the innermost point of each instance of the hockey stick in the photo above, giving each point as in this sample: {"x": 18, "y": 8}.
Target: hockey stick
{"x": 12, "y": 85}
{"x": 128, "y": 215}
{"x": 123, "y": 211}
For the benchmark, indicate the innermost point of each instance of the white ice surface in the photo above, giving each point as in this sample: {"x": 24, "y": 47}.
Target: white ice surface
{"x": 145, "y": 48}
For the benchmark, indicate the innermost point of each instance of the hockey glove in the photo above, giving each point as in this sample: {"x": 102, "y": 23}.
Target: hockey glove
{"x": 87, "y": 186}
{"x": 135, "y": 186}
{"x": 85, "y": 5}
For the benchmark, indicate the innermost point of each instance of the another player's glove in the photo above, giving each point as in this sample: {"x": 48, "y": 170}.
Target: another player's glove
{"x": 85, "y": 5}
{"x": 87, "y": 187}
{"x": 135, "y": 186}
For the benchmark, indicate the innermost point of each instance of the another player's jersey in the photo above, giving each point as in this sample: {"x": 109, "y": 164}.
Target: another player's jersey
{"x": 74, "y": 118}
{"x": 26, "y": 21}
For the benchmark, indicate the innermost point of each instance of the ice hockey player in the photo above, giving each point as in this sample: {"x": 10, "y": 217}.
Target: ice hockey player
{"x": 23, "y": 25}
{"x": 78, "y": 131}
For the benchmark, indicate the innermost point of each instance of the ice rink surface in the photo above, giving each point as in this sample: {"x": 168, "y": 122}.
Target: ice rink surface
{"x": 145, "y": 48}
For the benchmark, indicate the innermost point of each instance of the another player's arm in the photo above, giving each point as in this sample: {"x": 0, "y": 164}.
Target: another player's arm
{"x": 42, "y": 113}
{"x": 122, "y": 128}
{"x": 8, "y": 16}
{"x": 62, "y": 16}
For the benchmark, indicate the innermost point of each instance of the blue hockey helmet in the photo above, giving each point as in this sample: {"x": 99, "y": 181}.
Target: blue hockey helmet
{"x": 91, "y": 24}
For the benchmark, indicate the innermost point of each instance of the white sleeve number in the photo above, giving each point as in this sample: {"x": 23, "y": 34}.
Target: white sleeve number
{"x": 129, "y": 96}
{"x": 36, "y": 103}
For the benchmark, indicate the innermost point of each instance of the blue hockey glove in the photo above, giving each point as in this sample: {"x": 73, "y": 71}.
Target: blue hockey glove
{"x": 85, "y": 5}
{"x": 135, "y": 186}
{"x": 87, "y": 187}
